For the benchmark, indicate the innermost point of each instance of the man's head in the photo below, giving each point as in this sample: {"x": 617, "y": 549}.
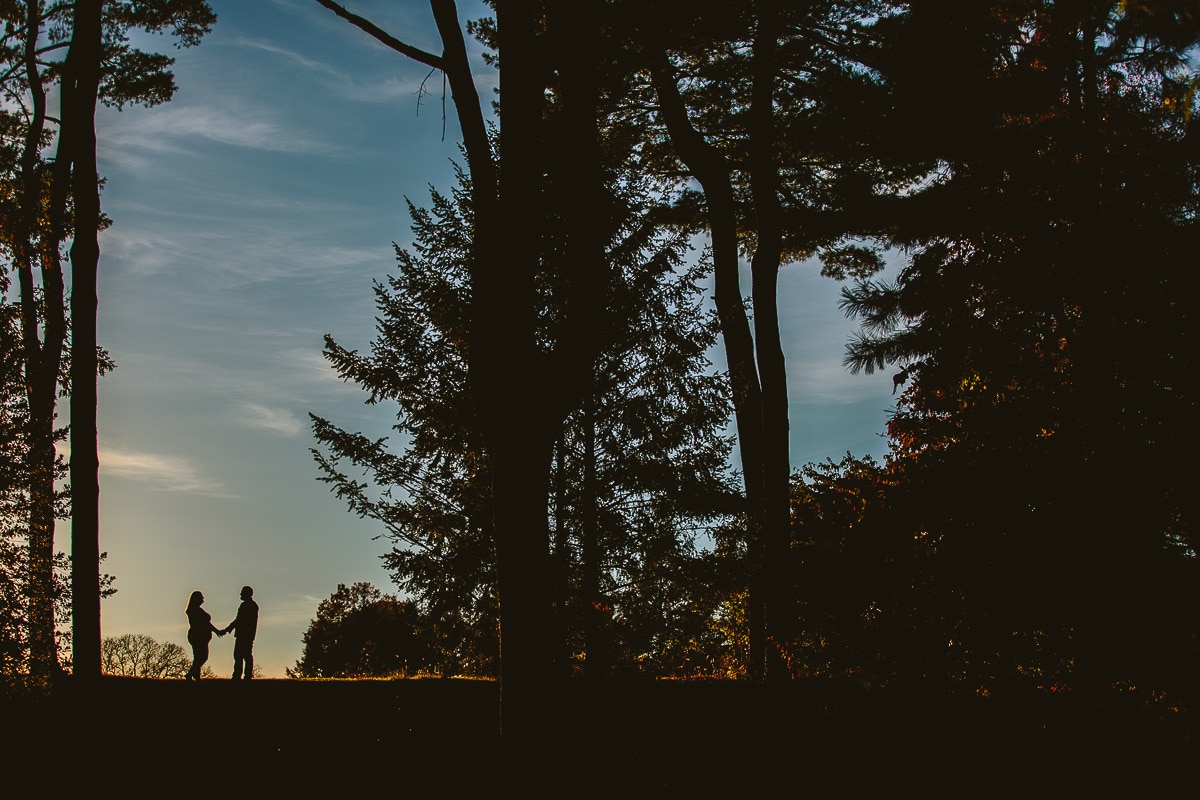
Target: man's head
{"x": 247, "y": 593}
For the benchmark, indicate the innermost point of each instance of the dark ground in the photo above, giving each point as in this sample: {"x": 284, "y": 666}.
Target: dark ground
{"x": 436, "y": 738}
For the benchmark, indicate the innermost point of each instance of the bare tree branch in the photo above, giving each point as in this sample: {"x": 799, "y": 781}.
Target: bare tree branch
{"x": 415, "y": 53}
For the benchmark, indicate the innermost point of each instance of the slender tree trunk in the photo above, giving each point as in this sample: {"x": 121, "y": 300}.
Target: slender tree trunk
{"x": 85, "y": 259}
{"x": 713, "y": 174}
{"x": 43, "y": 658}
{"x": 764, "y": 266}
{"x": 41, "y": 363}
{"x": 562, "y": 566}
{"x": 596, "y": 665}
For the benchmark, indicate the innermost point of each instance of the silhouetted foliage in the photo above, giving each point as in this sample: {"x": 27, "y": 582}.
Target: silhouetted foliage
{"x": 43, "y": 203}
{"x": 360, "y": 632}
{"x": 1034, "y": 162}
{"x": 139, "y": 656}
{"x": 639, "y": 470}
{"x": 761, "y": 107}
{"x": 13, "y": 497}
{"x": 1042, "y": 451}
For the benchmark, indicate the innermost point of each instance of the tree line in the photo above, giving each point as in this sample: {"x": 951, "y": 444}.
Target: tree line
{"x": 561, "y": 500}
{"x": 57, "y": 61}
{"x": 1032, "y": 162}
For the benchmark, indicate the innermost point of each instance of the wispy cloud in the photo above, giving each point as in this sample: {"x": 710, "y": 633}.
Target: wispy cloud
{"x": 289, "y": 55}
{"x": 132, "y": 138}
{"x": 248, "y": 244}
{"x": 297, "y": 609}
{"x": 275, "y": 420}
{"x": 377, "y": 89}
{"x": 238, "y": 127}
{"x": 160, "y": 472}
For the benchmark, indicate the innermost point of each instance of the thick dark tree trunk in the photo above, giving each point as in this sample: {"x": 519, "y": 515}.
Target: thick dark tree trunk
{"x": 520, "y": 481}
{"x": 80, "y": 117}
{"x": 522, "y": 395}
{"x": 509, "y": 402}
{"x": 513, "y": 403}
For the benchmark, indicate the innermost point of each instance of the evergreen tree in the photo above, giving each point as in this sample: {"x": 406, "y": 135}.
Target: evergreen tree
{"x": 641, "y": 463}
{"x": 1045, "y": 438}
{"x": 522, "y": 384}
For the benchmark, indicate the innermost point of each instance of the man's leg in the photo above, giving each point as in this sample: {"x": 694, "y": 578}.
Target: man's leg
{"x": 249, "y": 659}
{"x": 238, "y": 657}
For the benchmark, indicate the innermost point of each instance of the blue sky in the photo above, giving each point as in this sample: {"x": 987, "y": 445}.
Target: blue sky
{"x": 251, "y": 215}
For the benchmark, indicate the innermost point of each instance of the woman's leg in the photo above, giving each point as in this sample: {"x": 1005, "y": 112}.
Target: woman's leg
{"x": 199, "y": 656}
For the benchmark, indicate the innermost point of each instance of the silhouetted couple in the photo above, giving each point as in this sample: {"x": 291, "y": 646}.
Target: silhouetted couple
{"x": 201, "y": 629}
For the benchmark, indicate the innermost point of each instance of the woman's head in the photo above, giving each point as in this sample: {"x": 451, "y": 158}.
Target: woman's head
{"x": 195, "y": 600}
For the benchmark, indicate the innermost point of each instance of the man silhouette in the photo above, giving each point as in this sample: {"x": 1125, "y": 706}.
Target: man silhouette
{"x": 244, "y": 628}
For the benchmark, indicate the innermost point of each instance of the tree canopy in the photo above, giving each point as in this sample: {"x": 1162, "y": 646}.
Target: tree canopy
{"x": 1033, "y": 163}
{"x": 1042, "y": 446}
{"x": 361, "y": 632}
{"x": 639, "y": 470}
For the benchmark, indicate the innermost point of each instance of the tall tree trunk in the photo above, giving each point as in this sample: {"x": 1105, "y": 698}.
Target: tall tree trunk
{"x": 505, "y": 383}
{"x": 80, "y": 116}
{"x": 522, "y": 396}
{"x": 520, "y": 487}
{"x": 41, "y": 358}
{"x": 596, "y": 665}
{"x": 587, "y": 268}
{"x": 512, "y": 399}
{"x": 714, "y": 175}
{"x": 764, "y": 267}
{"x": 562, "y": 567}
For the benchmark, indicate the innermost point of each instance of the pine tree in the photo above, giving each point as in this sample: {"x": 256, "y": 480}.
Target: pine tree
{"x": 1042, "y": 319}
{"x": 638, "y": 464}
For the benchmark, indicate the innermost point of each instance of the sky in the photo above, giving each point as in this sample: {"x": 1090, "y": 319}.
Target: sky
{"x": 250, "y": 216}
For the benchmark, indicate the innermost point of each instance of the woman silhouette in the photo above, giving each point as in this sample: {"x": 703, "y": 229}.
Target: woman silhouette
{"x": 200, "y": 631}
